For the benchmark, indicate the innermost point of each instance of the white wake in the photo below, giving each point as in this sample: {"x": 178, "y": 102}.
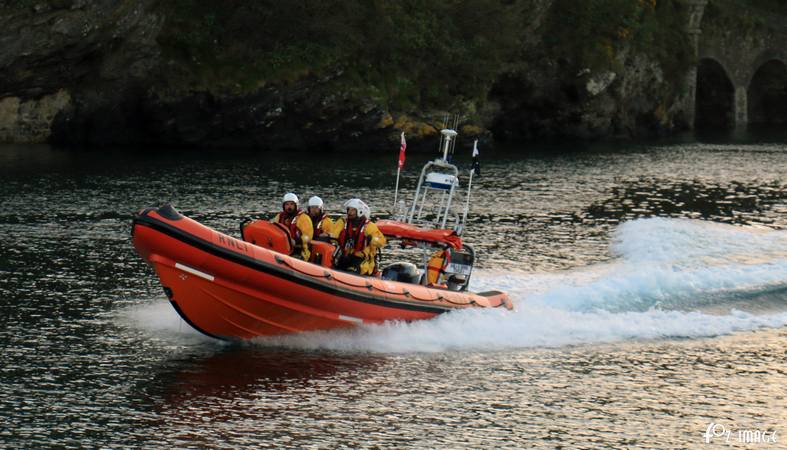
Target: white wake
{"x": 671, "y": 278}
{"x": 665, "y": 274}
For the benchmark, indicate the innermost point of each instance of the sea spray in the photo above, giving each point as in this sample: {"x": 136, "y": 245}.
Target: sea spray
{"x": 667, "y": 281}
{"x": 665, "y": 274}
{"x": 484, "y": 330}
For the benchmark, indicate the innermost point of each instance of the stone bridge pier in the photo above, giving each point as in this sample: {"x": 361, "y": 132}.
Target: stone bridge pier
{"x": 734, "y": 93}
{"x": 741, "y": 74}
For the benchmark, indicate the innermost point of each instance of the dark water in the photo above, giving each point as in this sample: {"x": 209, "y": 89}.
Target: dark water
{"x": 650, "y": 285}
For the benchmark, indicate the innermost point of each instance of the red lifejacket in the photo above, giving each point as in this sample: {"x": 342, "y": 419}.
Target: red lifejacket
{"x": 352, "y": 238}
{"x": 292, "y": 224}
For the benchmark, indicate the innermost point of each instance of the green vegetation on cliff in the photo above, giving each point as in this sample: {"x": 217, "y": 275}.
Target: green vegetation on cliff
{"x": 745, "y": 16}
{"x": 404, "y": 53}
{"x": 591, "y": 33}
{"x": 408, "y": 54}
{"x": 294, "y": 74}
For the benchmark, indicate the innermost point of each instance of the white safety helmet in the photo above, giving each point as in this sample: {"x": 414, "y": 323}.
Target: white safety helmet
{"x": 290, "y": 197}
{"x": 360, "y": 206}
{"x": 315, "y": 201}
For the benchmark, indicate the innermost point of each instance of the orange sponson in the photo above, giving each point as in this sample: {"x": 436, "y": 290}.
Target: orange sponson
{"x": 411, "y": 232}
{"x": 231, "y": 289}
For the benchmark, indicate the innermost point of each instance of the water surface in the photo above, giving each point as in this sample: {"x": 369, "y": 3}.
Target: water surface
{"x": 650, "y": 285}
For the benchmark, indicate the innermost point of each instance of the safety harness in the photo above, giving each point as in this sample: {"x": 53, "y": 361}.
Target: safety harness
{"x": 351, "y": 239}
{"x": 318, "y": 225}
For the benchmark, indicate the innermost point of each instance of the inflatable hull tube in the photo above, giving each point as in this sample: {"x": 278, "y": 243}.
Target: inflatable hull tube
{"x": 230, "y": 289}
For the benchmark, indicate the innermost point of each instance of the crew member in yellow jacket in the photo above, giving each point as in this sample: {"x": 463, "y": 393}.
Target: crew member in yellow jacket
{"x": 359, "y": 240}
{"x": 324, "y": 227}
{"x": 298, "y": 224}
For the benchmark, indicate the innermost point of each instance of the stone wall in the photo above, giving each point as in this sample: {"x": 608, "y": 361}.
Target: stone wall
{"x": 741, "y": 40}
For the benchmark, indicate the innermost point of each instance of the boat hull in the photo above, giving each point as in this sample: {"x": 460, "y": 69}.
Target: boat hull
{"x": 230, "y": 289}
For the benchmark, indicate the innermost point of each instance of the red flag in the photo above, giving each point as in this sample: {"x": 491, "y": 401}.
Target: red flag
{"x": 401, "y": 152}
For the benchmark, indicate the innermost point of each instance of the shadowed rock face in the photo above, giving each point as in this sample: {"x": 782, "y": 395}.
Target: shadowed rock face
{"x": 92, "y": 73}
{"x": 60, "y": 59}
{"x": 46, "y": 48}
{"x": 271, "y": 118}
{"x": 543, "y": 103}
{"x": 106, "y": 72}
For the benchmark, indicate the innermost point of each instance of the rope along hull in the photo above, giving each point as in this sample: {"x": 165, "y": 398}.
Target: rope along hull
{"x": 230, "y": 289}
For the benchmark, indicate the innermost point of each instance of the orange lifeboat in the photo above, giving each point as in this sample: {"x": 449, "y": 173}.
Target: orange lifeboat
{"x": 232, "y": 288}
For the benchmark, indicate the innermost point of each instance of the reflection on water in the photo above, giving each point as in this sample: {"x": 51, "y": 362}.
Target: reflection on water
{"x": 241, "y": 371}
{"x": 728, "y": 203}
{"x": 92, "y": 355}
{"x": 659, "y": 394}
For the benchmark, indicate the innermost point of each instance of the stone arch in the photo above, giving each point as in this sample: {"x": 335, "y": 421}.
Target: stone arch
{"x": 767, "y": 94}
{"x": 715, "y": 96}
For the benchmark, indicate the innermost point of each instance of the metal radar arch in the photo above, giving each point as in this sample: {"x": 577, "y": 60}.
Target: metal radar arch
{"x": 440, "y": 203}
{"x": 435, "y": 203}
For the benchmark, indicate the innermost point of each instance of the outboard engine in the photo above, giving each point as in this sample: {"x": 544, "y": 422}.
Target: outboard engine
{"x": 402, "y": 271}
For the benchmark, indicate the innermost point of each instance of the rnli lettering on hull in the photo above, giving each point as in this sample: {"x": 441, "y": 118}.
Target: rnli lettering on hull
{"x": 232, "y": 243}
{"x": 222, "y": 250}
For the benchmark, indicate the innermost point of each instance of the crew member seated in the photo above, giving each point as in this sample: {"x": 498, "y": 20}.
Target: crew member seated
{"x": 359, "y": 241}
{"x": 324, "y": 227}
{"x": 298, "y": 223}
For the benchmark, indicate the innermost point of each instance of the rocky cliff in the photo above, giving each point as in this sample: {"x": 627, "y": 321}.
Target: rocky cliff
{"x": 337, "y": 73}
